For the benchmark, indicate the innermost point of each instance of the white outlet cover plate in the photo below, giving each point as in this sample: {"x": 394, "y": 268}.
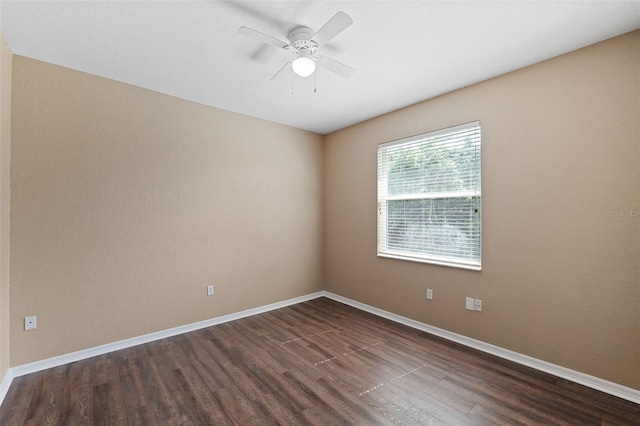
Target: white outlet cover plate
{"x": 477, "y": 305}
{"x": 30, "y": 322}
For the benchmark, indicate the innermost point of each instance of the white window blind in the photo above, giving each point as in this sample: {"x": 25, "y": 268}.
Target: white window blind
{"x": 429, "y": 197}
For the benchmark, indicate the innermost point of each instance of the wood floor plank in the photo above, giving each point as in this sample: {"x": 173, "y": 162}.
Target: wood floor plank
{"x": 480, "y": 394}
{"x": 616, "y": 409}
{"x": 418, "y": 417}
{"x": 322, "y": 392}
{"x": 238, "y": 409}
{"x": 79, "y": 387}
{"x": 158, "y": 382}
{"x": 206, "y": 365}
{"x": 317, "y": 362}
{"x": 387, "y": 403}
{"x": 56, "y": 410}
{"x": 147, "y": 415}
{"x": 15, "y": 407}
{"x": 421, "y": 389}
{"x": 259, "y": 371}
{"x": 44, "y": 408}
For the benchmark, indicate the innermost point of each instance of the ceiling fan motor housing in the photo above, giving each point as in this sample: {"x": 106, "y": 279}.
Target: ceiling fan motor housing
{"x": 300, "y": 38}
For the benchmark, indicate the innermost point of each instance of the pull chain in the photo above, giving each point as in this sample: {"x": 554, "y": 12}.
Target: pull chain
{"x": 315, "y": 82}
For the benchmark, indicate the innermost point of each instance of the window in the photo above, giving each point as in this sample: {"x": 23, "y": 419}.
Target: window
{"x": 429, "y": 197}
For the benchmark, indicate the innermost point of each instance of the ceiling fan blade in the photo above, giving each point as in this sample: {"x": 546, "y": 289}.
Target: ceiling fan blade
{"x": 336, "y": 67}
{"x": 332, "y": 28}
{"x": 262, "y": 37}
{"x": 279, "y": 71}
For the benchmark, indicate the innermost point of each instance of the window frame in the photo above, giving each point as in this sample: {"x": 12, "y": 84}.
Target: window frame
{"x": 383, "y": 198}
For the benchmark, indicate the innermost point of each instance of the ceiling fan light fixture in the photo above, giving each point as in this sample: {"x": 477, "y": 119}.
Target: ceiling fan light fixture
{"x": 303, "y": 66}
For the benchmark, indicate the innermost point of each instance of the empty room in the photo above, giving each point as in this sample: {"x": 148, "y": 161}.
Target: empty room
{"x": 319, "y": 212}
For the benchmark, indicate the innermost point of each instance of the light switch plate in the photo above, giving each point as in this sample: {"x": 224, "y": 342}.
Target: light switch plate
{"x": 469, "y": 303}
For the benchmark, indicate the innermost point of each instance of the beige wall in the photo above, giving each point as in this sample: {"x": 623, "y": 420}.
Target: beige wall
{"x": 127, "y": 203}
{"x": 6, "y": 58}
{"x": 560, "y": 279}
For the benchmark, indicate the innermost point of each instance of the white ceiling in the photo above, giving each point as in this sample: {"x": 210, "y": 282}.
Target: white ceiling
{"x": 403, "y": 51}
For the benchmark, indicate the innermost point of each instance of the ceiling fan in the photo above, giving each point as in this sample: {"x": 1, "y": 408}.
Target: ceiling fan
{"x": 304, "y": 44}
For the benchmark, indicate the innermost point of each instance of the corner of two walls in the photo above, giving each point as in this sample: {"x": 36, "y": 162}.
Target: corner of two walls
{"x": 6, "y": 58}
{"x": 561, "y": 258}
{"x": 127, "y": 204}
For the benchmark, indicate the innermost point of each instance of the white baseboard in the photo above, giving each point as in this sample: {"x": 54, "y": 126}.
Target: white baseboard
{"x": 602, "y": 385}
{"x": 56, "y": 361}
{"x": 4, "y": 385}
{"x": 611, "y": 388}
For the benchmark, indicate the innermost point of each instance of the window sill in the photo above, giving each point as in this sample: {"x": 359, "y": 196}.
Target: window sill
{"x": 433, "y": 261}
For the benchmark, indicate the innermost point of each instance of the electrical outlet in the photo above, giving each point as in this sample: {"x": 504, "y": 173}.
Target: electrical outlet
{"x": 477, "y": 305}
{"x": 210, "y": 290}
{"x": 30, "y": 322}
{"x": 469, "y": 303}
{"x": 429, "y": 294}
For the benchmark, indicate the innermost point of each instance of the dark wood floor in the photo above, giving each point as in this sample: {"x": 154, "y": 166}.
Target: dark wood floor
{"x": 318, "y": 362}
